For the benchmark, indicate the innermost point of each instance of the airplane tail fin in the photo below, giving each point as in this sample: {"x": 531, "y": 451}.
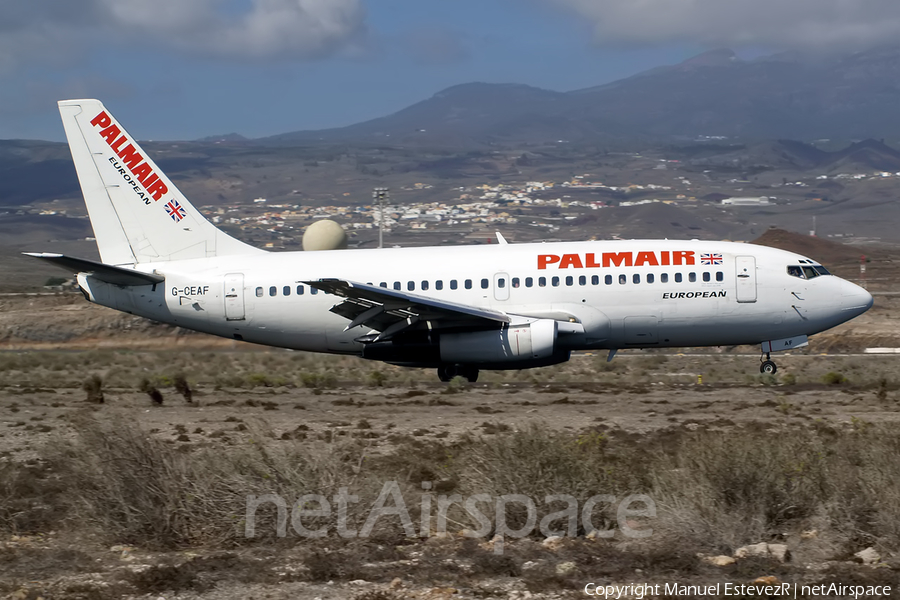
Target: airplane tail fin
{"x": 137, "y": 213}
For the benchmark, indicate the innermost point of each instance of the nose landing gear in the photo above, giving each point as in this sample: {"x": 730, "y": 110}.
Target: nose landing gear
{"x": 448, "y": 372}
{"x": 767, "y": 366}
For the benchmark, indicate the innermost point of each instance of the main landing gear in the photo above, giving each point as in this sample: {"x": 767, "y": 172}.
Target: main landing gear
{"x": 767, "y": 366}
{"x": 448, "y": 372}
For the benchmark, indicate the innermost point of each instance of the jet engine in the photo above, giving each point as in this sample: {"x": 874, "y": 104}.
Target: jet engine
{"x": 515, "y": 343}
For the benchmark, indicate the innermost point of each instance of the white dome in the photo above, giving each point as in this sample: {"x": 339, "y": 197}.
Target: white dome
{"x": 324, "y": 235}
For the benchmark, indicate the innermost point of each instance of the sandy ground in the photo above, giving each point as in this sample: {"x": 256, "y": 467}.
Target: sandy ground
{"x": 31, "y": 416}
{"x": 51, "y": 345}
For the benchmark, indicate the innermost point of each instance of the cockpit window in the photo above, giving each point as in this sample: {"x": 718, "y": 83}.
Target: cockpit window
{"x": 807, "y": 272}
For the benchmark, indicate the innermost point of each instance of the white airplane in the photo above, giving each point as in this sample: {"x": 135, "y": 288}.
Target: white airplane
{"x": 458, "y": 309}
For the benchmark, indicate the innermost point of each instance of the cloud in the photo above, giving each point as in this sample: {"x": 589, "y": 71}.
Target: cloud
{"x": 59, "y": 31}
{"x": 783, "y": 23}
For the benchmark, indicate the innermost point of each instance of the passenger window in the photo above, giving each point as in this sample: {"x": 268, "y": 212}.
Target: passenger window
{"x": 542, "y": 281}
{"x": 554, "y": 282}
{"x": 622, "y": 279}
{"x": 570, "y": 280}
{"x": 439, "y": 284}
{"x": 299, "y": 290}
{"x": 720, "y": 276}
{"x": 706, "y": 277}
{"x": 664, "y": 278}
{"x": 453, "y": 284}
{"x": 383, "y": 284}
{"x": 410, "y": 286}
{"x": 608, "y": 280}
{"x": 313, "y": 291}
{"x": 468, "y": 284}
{"x": 286, "y": 291}
{"x": 259, "y": 292}
{"x": 582, "y": 280}
{"x": 273, "y": 290}
{"x": 650, "y": 277}
{"x": 515, "y": 282}
{"x": 529, "y": 282}
{"x": 810, "y": 272}
{"x": 692, "y": 277}
{"x": 484, "y": 284}
{"x": 636, "y": 278}
{"x": 397, "y": 285}
{"x": 501, "y": 283}
{"x": 595, "y": 280}
{"x": 424, "y": 285}
{"x": 677, "y": 277}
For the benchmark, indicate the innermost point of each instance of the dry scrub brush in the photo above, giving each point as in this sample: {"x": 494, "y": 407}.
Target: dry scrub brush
{"x": 142, "y": 491}
{"x": 713, "y": 490}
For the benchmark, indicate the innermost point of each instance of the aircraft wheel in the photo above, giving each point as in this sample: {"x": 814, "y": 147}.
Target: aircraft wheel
{"x": 470, "y": 373}
{"x": 446, "y": 373}
{"x": 768, "y": 367}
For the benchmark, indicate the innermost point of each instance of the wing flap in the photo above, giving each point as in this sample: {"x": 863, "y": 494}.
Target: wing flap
{"x": 108, "y": 273}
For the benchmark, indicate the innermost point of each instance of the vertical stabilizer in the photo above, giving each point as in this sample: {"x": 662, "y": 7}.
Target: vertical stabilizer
{"x": 137, "y": 213}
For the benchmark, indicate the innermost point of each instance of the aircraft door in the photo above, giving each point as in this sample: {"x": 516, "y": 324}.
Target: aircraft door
{"x": 745, "y": 272}
{"x": 501, "y": 286}
{"x": 234, "y": 297}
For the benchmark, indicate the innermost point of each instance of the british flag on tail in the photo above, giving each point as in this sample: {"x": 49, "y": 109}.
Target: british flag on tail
{"x": 175, "y": 211}
{"x": 711, "y": 259}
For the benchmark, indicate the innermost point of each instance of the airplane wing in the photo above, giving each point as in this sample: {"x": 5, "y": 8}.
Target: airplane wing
{"x": 391, "y": 311}
{"x": 108, "y": 273}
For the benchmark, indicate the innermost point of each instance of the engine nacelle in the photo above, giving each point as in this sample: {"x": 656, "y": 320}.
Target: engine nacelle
{"x": 513, "y": 343}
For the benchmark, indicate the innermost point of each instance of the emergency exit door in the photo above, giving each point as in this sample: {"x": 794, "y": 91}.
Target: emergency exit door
{"x": 501, "y": 286}
{"x": 745, "y": 271}
{"x": 234, "y": 297}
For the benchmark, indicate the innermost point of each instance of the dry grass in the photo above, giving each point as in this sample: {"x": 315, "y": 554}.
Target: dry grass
{"x": 228, "y": 370}
{"x": 714, "y": 491}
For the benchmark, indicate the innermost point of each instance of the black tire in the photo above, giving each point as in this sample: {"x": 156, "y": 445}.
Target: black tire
{"x": 446, "y": 373}
{"x": 768, "y": 367}
{"x": 471, "y": 374}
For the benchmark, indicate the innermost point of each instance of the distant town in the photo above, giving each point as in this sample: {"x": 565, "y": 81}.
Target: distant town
{"x": 527, "y": 211}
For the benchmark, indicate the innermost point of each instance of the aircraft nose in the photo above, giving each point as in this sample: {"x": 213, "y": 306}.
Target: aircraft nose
{"x": 854, "y": 298}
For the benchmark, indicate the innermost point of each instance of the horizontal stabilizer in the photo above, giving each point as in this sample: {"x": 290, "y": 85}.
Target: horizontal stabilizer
{"x": 108, "y": 273}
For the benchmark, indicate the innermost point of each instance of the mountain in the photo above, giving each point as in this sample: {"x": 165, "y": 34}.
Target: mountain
{"x": 34, "y": 169}
{"x": 865, "y": 156}
{"x": 787, "y": 95}
{"x": 224, "y": 138}
{"x": 454, "y": 116}
{"x": 868, "y": 154}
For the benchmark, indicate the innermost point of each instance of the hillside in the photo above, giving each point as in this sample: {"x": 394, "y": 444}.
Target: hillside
{"x": 828, "y": 252}
{"x": 715, "y": 93}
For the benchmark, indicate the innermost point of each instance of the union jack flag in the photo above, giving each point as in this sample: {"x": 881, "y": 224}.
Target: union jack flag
{"x": 175, "y": 211}
{"x": 711, "y": 259}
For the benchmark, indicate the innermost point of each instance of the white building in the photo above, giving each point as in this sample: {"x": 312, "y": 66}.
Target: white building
{"x": 749, "y": 201}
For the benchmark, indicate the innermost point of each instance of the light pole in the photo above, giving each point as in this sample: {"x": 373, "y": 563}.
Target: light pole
{"x": 381, "y": 194}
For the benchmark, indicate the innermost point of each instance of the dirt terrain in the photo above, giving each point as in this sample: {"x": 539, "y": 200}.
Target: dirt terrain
{"x": 263, "y": 420}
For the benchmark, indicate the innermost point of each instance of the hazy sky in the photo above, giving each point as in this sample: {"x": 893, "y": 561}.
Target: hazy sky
{"x": 182, "y": 69}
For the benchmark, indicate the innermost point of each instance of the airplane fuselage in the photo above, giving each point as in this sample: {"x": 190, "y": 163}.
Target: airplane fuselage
{"x": 623, "y": 294}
